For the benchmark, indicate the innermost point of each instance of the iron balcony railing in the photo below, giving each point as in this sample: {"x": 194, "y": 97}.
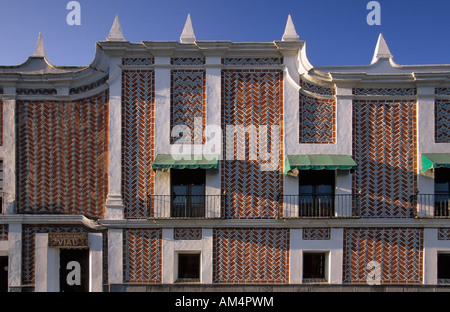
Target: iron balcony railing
{"x": 431, "y": 205}
{"x": 185, "y": 206}
{"x": 319, "y": 206}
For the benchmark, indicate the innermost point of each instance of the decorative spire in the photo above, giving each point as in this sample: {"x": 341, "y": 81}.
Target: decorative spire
{"x": 40, "y": 51}
{"x": 188, "y": 36}
{"x": 115, "y": 34}
{"x": 289, "y": 33}
{"x": 381, "y": 50}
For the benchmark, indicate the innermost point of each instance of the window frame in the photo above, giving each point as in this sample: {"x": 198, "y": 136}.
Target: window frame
{"x": 325, "y": 267}
{"x": 179, "y": 263}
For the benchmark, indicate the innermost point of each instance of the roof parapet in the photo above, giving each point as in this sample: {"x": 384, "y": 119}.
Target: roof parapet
{"x": 289, "y": 32}
{"x": 116, "y": 34}
{"x": 187, "y": 35}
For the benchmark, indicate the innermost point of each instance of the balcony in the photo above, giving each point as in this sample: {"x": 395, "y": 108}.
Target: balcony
{"x": 185, "y": 206}
{"x": 319, "y": 206}
{"x": 431, "y": 205}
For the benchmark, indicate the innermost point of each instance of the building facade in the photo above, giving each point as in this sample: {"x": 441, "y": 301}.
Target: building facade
{"x": 214, "y": 163}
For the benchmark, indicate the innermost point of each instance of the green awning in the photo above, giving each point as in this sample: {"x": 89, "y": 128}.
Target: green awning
{"x": 320, "y": 162}
{"x": 437, "y": 160}
{"x": 166, "y": 161}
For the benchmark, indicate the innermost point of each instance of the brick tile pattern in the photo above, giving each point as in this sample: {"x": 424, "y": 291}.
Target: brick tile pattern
{"x": 142, "y": 255}
{"x": 138, "y": 131}
{"x": 62, "y": 150}
{"x": 442, "y": 91}
{"x": 187, "y": 234}
{"x": 384, "y": 147}
{"x": 138, "y": 61}
{"x": 187, "y": 61}
{"x": 252, "y": 61}
{"x": 4, "y": 229}
{"x": 444, "y": 234}
{"x": 317, "y": 120}
{"x": 316, "y": 233}
{"x": 29, "y": 246}
{"x": 385, "y": 91}
{"x": 316, "y": 89}
{"x": 250, "y": 256}
{"x": 442, "y": 122}
{"x": 252, "y": 97}
{"x": 90, "y": 86}
{"x": 188, "y": 101}
{"x": 399, "y": 251}
{"x": 37, "y": 91}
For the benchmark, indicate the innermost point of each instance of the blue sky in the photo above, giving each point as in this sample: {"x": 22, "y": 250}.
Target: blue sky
{"x": 336, "y": 32}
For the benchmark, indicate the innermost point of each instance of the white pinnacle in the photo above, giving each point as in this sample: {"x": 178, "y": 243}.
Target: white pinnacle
{"x": 188, "y": 36}
{"x": 40, "y": 51}
{"x": 289, "y": 32}
{"x": 381, "y": 50}
{"x": 115, "y": 34}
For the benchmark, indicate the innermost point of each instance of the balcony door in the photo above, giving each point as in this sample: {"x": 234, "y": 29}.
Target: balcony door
{"x": 316, "y": 192}
{"x": 188, "y": 193}
{"x": 442, "y": 192}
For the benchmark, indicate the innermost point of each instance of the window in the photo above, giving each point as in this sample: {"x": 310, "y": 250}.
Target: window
{"x": 314, "y": 267}
{"x": 316, "y": 192}
{"x": 188, "y": 193}
{"x": 188, "y": 267}
{"x": 442, "y": 192}
{"x": 1, "y": 188}
{"x": 443, "y": 268}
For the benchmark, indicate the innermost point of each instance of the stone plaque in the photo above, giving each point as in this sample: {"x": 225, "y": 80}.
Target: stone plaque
{"x": 68, "y": 240}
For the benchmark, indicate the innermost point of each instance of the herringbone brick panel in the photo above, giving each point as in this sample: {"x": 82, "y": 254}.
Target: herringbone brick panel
{"x": 442, "y": 121}
{"x": 62, "y": 150}
{"x": 252, "y": 98}
{"x": 187, "y": 234}
{"x": 142, "y": 256}
{"x": 251, "y": 256}
{"x": 399, "y": 252}
{"x": 317, "y": 120}
{"x": 138, "y": 139}
{"x": 384, "y": 147}
{"x": 188, "y": 101}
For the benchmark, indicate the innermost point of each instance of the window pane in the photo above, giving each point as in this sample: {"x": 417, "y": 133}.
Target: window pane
{"x": 443, "y": 266}
{"x": 314, "y": 265}
{"x": 325, "y": 189}
{"x": 306, "y": 189}
{"x": 189, "y": 266}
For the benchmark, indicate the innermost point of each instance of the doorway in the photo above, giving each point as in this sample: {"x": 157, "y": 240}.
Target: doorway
{"x": 74, "y": 270}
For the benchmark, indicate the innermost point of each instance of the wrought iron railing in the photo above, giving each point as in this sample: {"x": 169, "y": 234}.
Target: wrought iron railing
{"x": 185, "y": 206}
{"x": 431, "y": 205}
{"x": 319, "y": 206}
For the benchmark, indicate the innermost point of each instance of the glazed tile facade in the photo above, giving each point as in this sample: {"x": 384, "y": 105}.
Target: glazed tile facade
{"x": 80, "y": 158}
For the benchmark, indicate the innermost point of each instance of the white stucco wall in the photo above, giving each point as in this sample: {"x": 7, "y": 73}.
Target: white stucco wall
{"x": 432, "y": 246}
{"x": 114, "y": 203}
{"x": 172, "y": 247}
{"x": 333, "y": 249}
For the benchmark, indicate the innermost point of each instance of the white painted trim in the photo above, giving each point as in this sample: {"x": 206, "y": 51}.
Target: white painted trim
{"x": 432, "y": 246}
{"x": 15, "y": 255}
{"x": 95, "y": 262}
{"x": 115, "y": 256}
{"x": 333, "y": 248}
{"x": 47, "y": 265}
{"x": 114, "y": 203}
{"x": 172, "y": 247}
